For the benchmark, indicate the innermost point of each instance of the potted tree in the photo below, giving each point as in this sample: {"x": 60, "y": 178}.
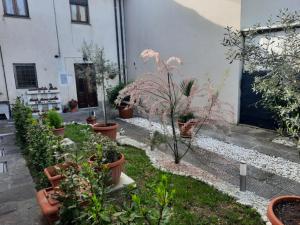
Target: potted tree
{"x": 105, "y": 70}
{"x": 124, "y": 108}
{"x": 106, "y": 155}
{"x": 55, "y": 121}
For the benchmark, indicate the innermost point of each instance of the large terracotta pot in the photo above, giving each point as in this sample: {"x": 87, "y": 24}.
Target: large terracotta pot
{"x": 125, "y": 112}
{"x": 186, "y": 131}
{"x": 108, "y": 130}
{"x": 48, "y": 204}
{"x": 59, "y": 131}
{"x": 115, "y": 168}
{"x": 91, "y": 120}
{"x": 54, "y": 175}
{"x": 271, "y": 214}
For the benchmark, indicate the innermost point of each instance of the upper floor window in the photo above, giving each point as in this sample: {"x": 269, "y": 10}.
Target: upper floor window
{"x": 25, "y": 75}
{"x": 15, "y": 8}
{"x": 79, "y": 11}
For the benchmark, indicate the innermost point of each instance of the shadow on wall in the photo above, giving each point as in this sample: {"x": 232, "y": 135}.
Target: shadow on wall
{"x": 175, "y": 30}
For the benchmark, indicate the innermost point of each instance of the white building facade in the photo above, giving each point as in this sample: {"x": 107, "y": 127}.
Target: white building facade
{"x": 41, "y": 43}
{"x": 51, "y": 33}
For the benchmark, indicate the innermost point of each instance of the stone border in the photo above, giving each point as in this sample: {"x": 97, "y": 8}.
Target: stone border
{"x": 165, "y": 162}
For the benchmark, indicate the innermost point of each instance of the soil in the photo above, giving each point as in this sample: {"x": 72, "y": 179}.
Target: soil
{"x": 288, "y": 212}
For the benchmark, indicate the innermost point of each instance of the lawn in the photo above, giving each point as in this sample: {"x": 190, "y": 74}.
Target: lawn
{"x": 196, "y": 203}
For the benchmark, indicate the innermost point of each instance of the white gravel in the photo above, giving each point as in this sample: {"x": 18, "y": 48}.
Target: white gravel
{"x": 165, "y": 162}
{"x": 275, "y": 165}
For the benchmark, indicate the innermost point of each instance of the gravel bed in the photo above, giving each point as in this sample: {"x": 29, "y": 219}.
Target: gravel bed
{"x": 271, "y": 164}
{"x": 166, "y": 163}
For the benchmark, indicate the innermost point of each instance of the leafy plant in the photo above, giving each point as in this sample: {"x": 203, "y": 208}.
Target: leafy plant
{"x": 112, "y": 93}
{"x": 22, "y": 117}
{"x": 72, "y": 104}
{"x": 54, "y": 119}
{"x": 184, "y": 118}
{"x": 278, "y": 55}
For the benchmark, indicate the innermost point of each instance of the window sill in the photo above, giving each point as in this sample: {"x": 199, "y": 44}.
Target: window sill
{"x": 81, "y": 23}
{"x": 16, "y": 16}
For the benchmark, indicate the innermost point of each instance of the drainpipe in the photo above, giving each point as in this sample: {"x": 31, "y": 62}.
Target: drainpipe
{"x": 121, "y": 10}
{"x": 56, "y": 29}
{"x": 117, "y": 39}
{"x": 5, "y": 80}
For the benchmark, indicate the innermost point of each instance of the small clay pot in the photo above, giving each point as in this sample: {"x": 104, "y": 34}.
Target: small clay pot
{"x": 59, "y": 131}
{"x": 48, "y": 204}
{"x": 270, "y": 212}
{"x": 115, "y": 168}
{"x": 186, "y": 130}
{"x": 125, "y": 112}
{"x": 108, "y": 130}
{"x": 91, "y": 120}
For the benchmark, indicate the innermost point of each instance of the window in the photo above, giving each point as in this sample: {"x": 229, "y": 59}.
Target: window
{"x": 17, "y": 8}
{"x": 79, "y": 11}
{"x": 25, "y": 76}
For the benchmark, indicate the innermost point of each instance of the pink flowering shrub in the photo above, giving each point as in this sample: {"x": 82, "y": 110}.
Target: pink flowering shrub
{"x": 159, "y": 94}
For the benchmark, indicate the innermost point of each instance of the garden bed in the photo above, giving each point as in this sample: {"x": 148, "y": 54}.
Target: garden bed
{"x": 195, "y": 202}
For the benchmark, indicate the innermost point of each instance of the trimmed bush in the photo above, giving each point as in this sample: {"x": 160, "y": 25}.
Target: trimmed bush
{"x": 54, "y": 119}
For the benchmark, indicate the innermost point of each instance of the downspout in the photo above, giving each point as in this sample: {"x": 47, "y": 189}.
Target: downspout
{"x": 5, "y": 80}
{"x": 117, "y": 39}
{"x": 122, "y": 39}
{"x": 56, "y": 29}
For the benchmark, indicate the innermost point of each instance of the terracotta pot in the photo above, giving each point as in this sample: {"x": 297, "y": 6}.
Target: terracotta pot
{"x": 125, "y": 112}
{"x": 115, "y": 168}
{"x": 186, "y": 131}
{"x": 91, "y": 120}
{"x": 54, "y": 175}
{"x": 108, "y": 130}
{"x": 74, "y": 109}
{"x": 49, "y": 205}
{"x": 59, "y": 132}
{"x": 270, "y": 213}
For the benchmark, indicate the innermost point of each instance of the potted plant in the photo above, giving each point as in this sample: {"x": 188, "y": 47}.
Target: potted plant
{"x": 106, "y": 155}
{"x": 125, "y": 109}
{"x": 92, "y": 118}
{"x": 55, "y": 173}
{"x": 186, "y": 123}
{"x": 284, "y": 210}
{"x": 73, "y": 105}
{"x": 105, "y": 71}
{"x": 55, "y": 120}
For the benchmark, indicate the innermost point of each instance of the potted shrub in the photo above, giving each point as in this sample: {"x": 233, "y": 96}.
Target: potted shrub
{"x": 186, "y": 123}
{"x": 107, "y": 155}
{"x": 125, "y": 109}
{"x": 55, "y": 120}
{"x": 73, "y": 105}
{"x": 105, "y": 71}
{"x": 55, "y": 173}
{"x": 284, "y": 210}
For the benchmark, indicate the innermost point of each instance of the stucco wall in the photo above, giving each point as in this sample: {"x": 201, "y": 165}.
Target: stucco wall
{"x": 34, "y": 41}
{"x": 190, "y": 29}
{"x": 258, "y": 11}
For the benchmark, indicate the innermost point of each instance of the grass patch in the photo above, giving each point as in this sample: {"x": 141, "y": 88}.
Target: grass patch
{"x": 196, "y": 203}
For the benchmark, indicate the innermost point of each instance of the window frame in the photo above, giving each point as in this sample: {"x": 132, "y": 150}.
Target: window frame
{"x": 87, "y": 22}
{"x": 14, "y": 5}
{"x": 16, "y": 76}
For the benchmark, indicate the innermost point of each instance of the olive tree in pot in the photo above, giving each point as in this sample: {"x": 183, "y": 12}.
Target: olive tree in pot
{"x": 105, "y": 70}
{"x": 158, "y": 95}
